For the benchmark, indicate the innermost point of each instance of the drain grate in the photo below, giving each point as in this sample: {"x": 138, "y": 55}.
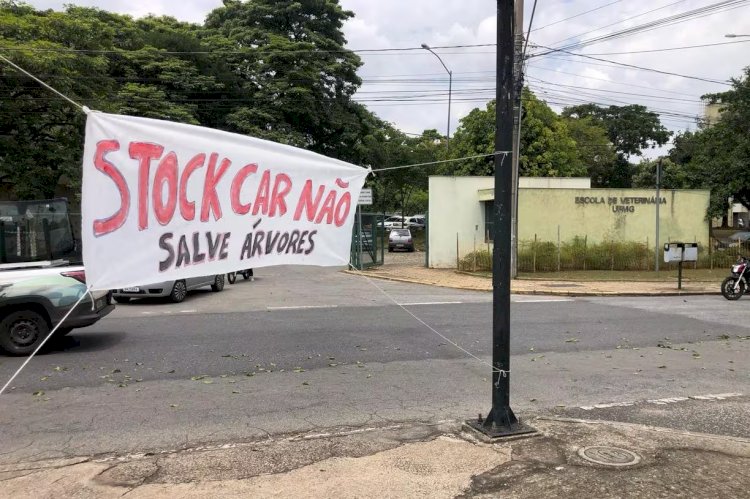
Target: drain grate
{"x": 609, "y": 456}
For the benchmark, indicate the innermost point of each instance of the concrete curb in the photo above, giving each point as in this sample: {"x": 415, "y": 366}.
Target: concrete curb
{"x": 551, "y": 292}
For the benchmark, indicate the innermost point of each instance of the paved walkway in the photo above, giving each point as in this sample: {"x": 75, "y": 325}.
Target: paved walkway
{"x": 412, "y": 270}
{"x": 431, "y": 461}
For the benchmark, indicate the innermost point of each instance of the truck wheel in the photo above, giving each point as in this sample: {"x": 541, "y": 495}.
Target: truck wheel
{"x": 22, "y": 331}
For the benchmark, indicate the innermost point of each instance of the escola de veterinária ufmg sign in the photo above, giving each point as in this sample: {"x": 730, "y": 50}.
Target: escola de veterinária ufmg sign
{"x": 619, "y": 204}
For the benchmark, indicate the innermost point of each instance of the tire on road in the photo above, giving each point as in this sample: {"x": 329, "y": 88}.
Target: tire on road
{"x": 218, "y": 284}
{"x": 728, "y": 291}
{"x": 22, "y": 331}
{"x": 179, "y": 292}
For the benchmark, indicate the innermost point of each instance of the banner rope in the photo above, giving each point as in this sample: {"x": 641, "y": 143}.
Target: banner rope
{"x": 501, "y": 372}
{"x": 51, "y": 333}
{"x": 496, "y": 153}
{"x": 45, "y": 85}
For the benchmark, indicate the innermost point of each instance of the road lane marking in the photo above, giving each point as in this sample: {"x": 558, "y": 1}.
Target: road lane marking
{"x": 188, "y": 311}
{"x": 664, "y": 401}
{"x": 302, "y": 307}
{"x": 541, "y": 300}
{"x": 415, "y": 304}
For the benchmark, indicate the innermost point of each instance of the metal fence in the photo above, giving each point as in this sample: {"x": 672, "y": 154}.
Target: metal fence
{"x": 368, "y": 241}
{"x": 579, "y": 253}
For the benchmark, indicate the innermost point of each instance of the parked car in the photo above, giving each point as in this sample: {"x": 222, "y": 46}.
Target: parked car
{"x": 175, "y": 290}
{"x": 395, "y": 222}
{"x": 33, "y": 301}
{"x": 738, "y": 239}
{"x": 400, "y": 239}
{"x": 416, "y": 222}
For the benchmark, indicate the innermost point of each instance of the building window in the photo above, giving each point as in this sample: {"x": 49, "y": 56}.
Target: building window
{"x": 489, "y": 230}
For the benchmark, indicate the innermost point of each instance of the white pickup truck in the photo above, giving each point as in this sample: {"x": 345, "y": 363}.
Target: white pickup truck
{"x": 36, "y": 293}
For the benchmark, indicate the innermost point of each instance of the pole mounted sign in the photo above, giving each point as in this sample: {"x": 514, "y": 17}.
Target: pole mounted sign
{"x": 164, "y": 201}
{"x": 365, "y": 197}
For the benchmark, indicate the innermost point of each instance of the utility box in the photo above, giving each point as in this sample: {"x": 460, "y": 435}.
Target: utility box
{"x": 680, "y": 252}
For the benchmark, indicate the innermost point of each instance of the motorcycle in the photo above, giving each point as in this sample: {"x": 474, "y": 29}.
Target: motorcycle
{"x": 736, "y": 284}
{"x": 246, "y": 274}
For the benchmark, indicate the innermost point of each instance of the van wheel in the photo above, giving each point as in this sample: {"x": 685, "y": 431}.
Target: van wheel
{"x": 22, "y": 331}
{"x": 179, "y": 292}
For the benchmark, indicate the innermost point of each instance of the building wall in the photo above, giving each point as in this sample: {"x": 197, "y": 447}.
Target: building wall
{"x": 613, "y": 215}
{"x": 457, "y": 214}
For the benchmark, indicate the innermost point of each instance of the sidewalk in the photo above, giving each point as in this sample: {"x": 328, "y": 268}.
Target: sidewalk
{"x": 450, "y": 278}
{"x": 420, "y": 460}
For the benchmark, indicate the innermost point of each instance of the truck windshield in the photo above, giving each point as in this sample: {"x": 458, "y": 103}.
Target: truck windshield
{"x": 33, "y": 231}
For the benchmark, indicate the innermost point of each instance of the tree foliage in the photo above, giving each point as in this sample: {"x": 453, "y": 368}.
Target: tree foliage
{"x": 630, "y": 128}
{"x": 718, "y": 157}
{"x": 673, "y": 176}
{"x": 547, "y": 146}
{"x": 274, "y": 69}
{"x": 595, "y": 151}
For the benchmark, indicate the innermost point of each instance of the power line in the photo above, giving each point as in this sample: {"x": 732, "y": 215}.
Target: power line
{"x": 663, "y": 97}
{"x": 656, "y": 24}
{"x": 528, "y": 33}
{"x": 635, "y": 85}
{"x": 617, "y": 22}
{"x": 575, "y": 16}
{"x": 251, "y": 50}
{"x": 671, "y": 48}
{"x": 633, "y": 66}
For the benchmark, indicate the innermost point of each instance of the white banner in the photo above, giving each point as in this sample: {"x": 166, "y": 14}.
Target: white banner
{"x": 165, "y": 201}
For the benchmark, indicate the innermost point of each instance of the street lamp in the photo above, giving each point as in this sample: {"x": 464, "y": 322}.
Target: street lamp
{"x": 732, "y": 35}
{"x": 450, "y": 85}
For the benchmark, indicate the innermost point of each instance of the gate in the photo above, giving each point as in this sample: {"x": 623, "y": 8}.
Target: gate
{"x": 368, "y": 241}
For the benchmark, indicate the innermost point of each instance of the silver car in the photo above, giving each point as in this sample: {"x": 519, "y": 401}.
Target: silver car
{"x": 175, "y": 290}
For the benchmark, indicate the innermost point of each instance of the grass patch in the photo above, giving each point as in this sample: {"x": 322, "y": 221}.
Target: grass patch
{"x": 668, "y": 275}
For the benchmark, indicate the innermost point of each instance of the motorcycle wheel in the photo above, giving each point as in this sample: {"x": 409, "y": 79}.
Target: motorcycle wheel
{"x": 728, "y": 289}
{"x": 231, "y": 277}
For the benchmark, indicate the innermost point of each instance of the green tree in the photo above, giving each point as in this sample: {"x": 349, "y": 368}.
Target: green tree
{"x": 297, "y": 77}
{"x": 595, "y": 151}
{"x": 547, "y": 147}
{"x": 718, "y": 157}
{"x": 630, "y": 128}
{"x": 673, "y": 175}
{"x": 40, "y": 133}
{"x": 402, "y": 189}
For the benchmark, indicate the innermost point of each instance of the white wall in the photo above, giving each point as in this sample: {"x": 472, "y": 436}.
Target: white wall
{"x": 454, "y": 208}
{"x": 554, "y": 183}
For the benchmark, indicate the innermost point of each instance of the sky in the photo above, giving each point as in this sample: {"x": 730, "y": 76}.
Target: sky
{"x": 558, "y": 78}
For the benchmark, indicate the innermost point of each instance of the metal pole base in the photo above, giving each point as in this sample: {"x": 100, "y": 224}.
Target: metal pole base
{"x": 502, "y": 424}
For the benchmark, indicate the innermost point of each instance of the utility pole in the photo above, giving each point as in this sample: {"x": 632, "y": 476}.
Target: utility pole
{"x": 517, "y": 111}
{"x": 501, "y": 421}
{"x": 658, "y": 204}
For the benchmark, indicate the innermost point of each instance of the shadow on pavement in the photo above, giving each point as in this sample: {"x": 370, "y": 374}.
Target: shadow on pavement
{"x": 83, "y": 342}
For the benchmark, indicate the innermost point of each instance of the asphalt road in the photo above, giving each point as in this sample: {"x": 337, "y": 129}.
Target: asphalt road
{"x": 304, "y": 349}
